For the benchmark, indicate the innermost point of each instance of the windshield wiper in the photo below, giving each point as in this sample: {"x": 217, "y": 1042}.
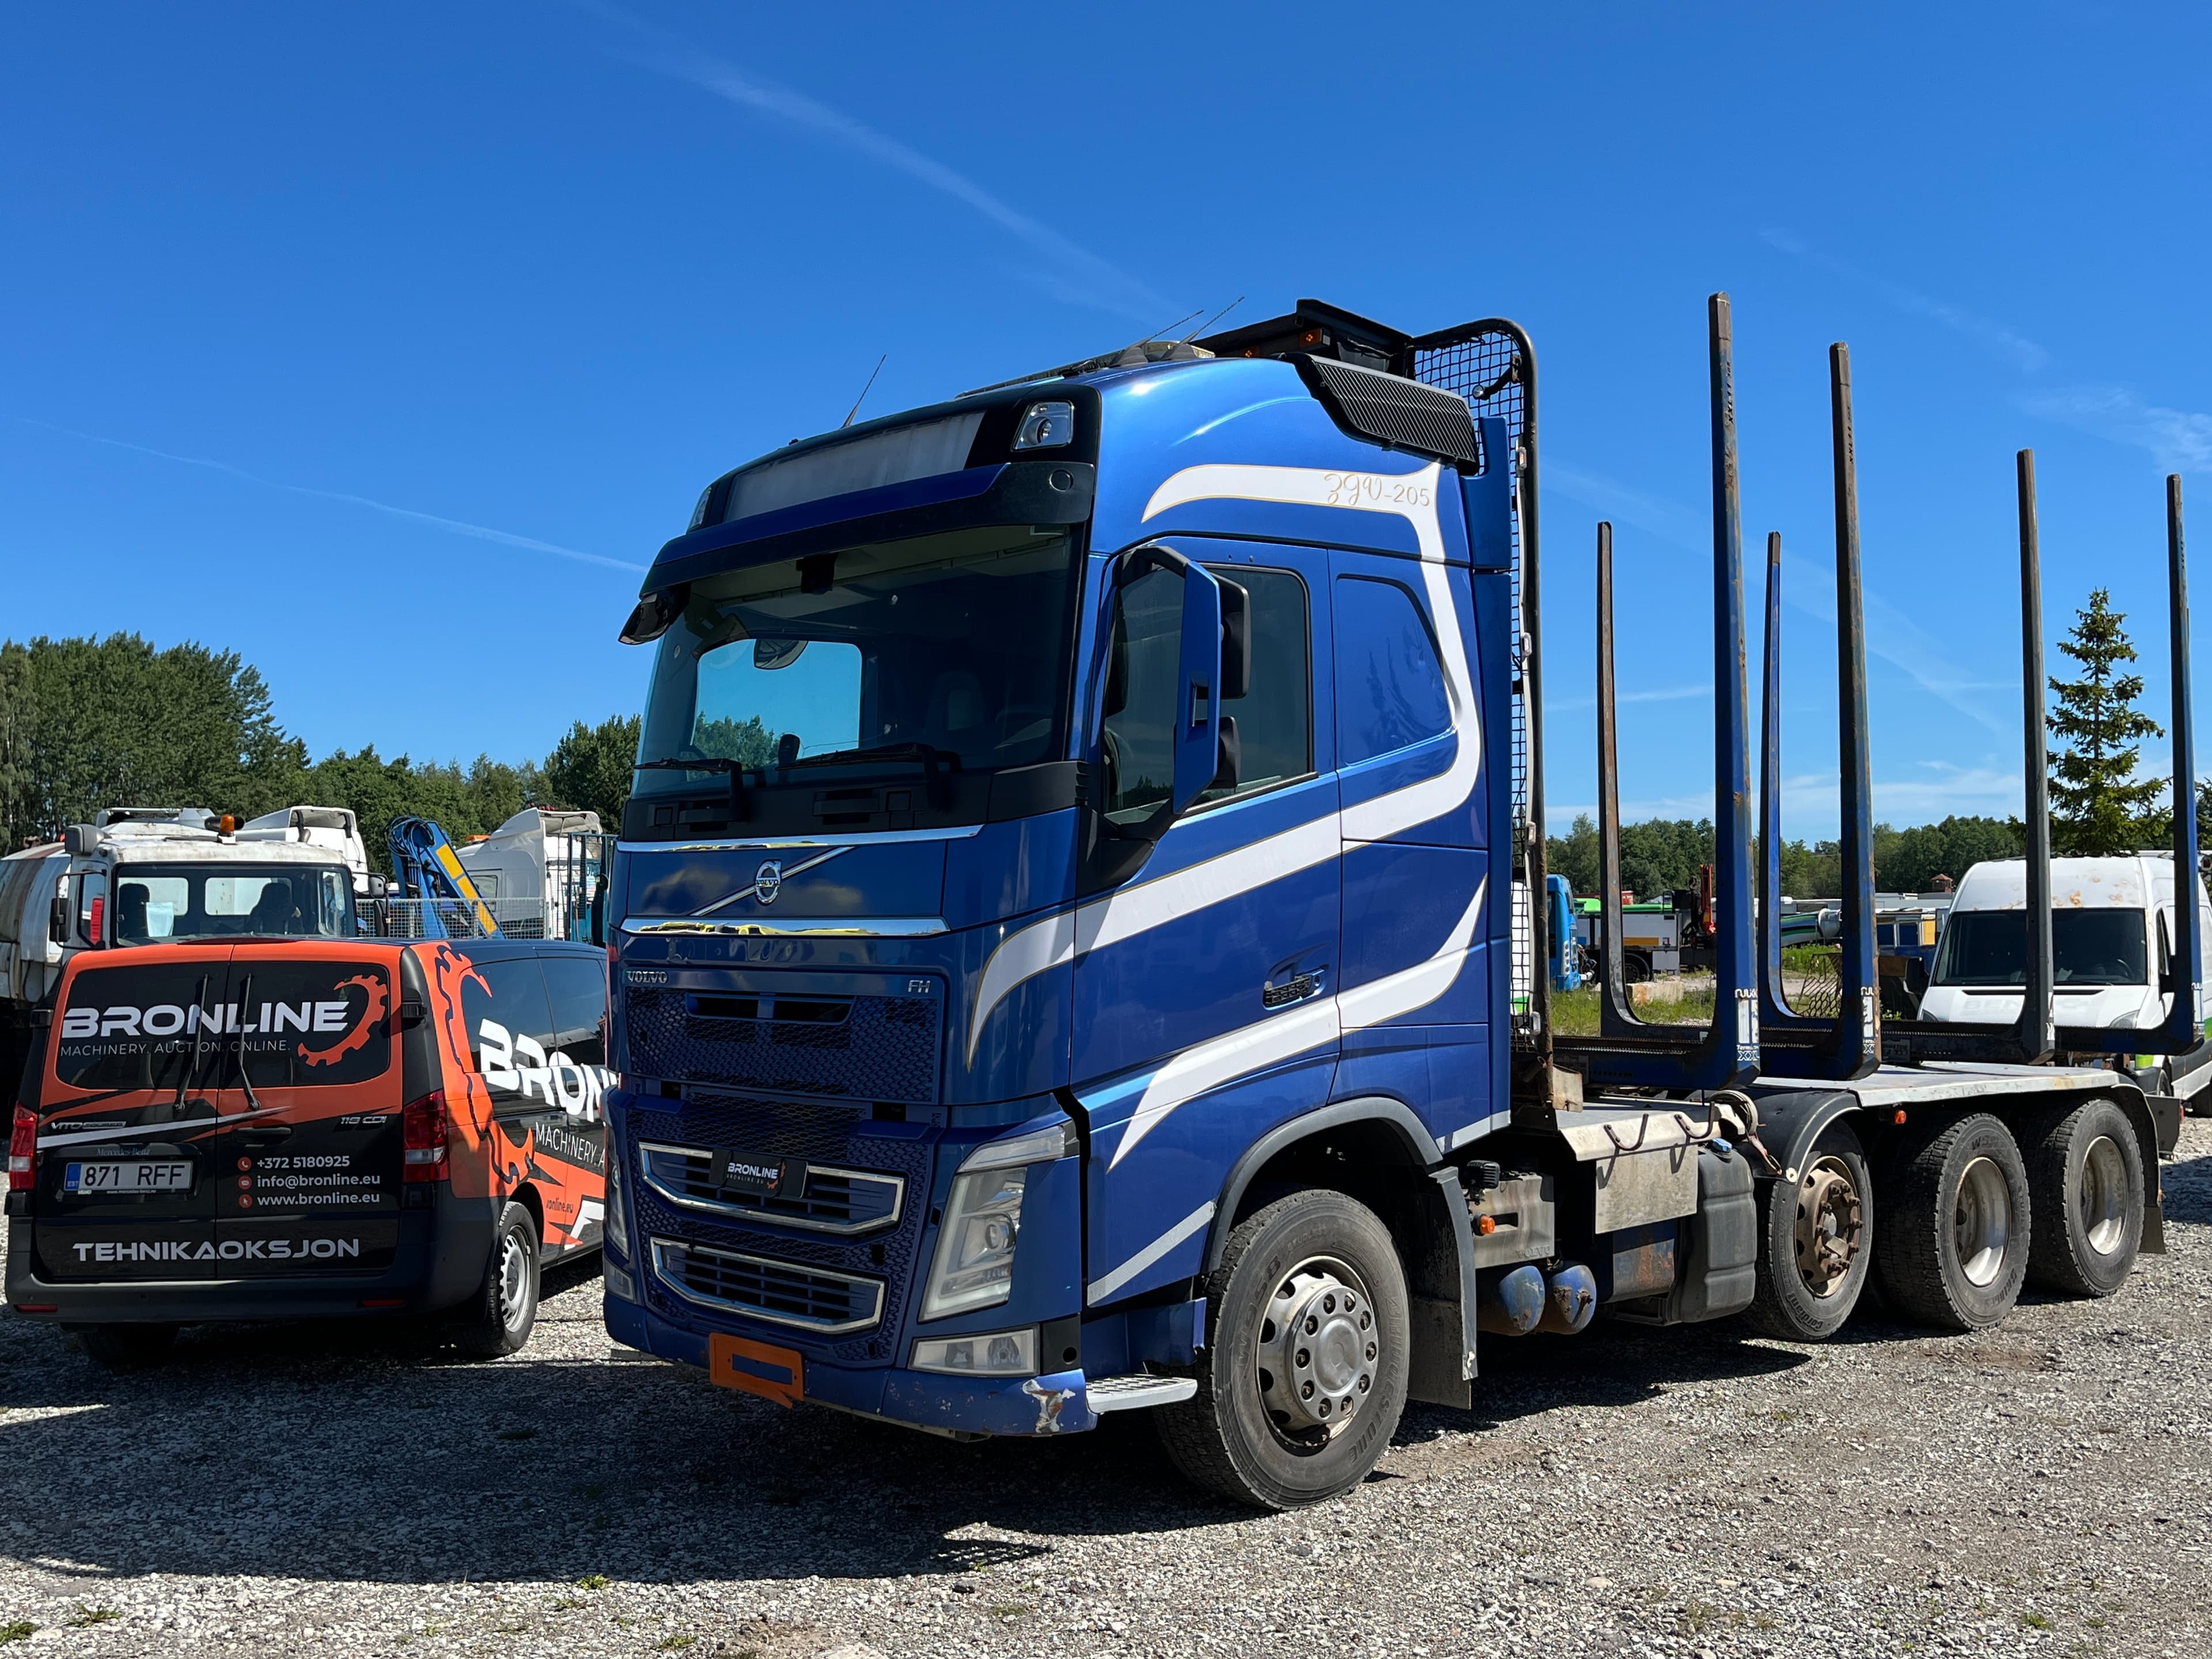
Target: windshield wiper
{"x": 245, "y": 1015}
{"x": 932, "y": 759}
{"x": 734, "y": 770}
{"x": 199, "y": 1035}
{"x": 928, "y": 753}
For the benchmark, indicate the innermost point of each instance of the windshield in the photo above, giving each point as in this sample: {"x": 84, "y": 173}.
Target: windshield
{"x": 170, "y": 901}
{"x": 951, "y": 651}
{"x": 2088, "y": 947}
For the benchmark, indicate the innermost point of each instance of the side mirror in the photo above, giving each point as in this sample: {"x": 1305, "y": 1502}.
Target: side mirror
{"x": 1189, "y": 748}
{"x": 58, "y": 919}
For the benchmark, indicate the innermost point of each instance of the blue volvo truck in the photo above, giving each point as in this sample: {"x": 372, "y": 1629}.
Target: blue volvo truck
{"x": 1072, "y": 948}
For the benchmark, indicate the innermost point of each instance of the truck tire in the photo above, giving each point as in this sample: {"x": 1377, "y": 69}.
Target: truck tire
{"x": 498, "y": 1320}
{"x": 1953, "y": 1248}
{"x": 125, "y": 1347}
{"x": 2085, "y": 1176}
{"x": 1815, "y": 1238}
{"x": 1303, "y": 1382}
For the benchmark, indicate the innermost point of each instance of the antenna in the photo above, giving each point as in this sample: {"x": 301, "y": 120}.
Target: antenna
{"x": 865, "y": 390}
{"x": 1121, "y": 358}
{"x": 1214, "y": 318}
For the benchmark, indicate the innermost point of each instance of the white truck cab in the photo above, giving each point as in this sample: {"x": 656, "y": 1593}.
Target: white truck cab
{"x": 2111, "y": 934}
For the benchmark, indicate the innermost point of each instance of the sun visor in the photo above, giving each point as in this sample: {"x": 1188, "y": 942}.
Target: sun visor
{"x": 898, "y": 455}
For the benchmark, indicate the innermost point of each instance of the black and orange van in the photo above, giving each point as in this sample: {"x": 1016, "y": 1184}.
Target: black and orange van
{"x": 307, "y": 1128}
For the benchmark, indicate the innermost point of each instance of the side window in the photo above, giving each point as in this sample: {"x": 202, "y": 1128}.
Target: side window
{"x": 1143, "y": 657}
{"x": 1389, "y": 683}
{"x": 510, "y": 1027}
{"x": 1274, "y": 718}
{"x": 579, "y": 988}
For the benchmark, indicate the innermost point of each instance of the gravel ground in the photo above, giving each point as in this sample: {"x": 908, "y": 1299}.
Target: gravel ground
{"x": 2039, "y": 1488}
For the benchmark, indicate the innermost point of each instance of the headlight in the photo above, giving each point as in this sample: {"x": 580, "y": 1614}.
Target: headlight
{"x": 993, "y": 1353}
{"x": 974, "y": 1263}
{"x": 617, "y": 1225}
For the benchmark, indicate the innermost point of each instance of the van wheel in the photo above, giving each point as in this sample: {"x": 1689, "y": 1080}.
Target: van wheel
{"x": 500, "y": 1319}
{"x": 1954, "y": 1246}
{"x": 125, "y": 1347}
{"x": 2085, "y": 1174}
{"x": 1303, "y": 1383}
{"x": 1815, "y": 1242}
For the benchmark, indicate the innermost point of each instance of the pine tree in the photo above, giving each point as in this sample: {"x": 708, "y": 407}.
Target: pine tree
{"x": 2097, "y": 806}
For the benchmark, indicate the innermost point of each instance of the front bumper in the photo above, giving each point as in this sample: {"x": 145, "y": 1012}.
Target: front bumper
{"x": 1056, "y": 1403}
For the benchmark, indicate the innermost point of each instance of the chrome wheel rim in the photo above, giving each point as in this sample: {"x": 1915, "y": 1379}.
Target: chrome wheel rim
{"x": 1830, "y": 1217}
{"x": 513, "y": 1281}
{"x": 1981, "y": 1224}
{"x": 1319, "y": 1349}
{"x": 2100, "y": 1196}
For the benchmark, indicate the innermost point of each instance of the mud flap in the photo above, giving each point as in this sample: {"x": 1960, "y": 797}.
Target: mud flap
{"x": 1442, "y": 1346}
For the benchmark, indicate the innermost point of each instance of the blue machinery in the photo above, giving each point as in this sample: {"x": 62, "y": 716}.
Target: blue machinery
{"x": 428, "y": 868}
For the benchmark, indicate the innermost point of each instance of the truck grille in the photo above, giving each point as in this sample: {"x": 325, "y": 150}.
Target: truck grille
{"x": 827, "y": 1200}
{"x": 858, "y": 1047}
{"x": 780, "y": 1292}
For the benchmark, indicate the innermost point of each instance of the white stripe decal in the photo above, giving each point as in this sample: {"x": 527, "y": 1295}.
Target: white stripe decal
{"x": 1102, "y": 1288}
{"x": 1206, "y": 1065}
{"x": 1061, "y": 939}
{"x": 151, "y": 1131}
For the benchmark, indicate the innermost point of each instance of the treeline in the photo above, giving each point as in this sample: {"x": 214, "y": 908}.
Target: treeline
{"x": 88, "y": 723}
{"x": 1663, "y": 854}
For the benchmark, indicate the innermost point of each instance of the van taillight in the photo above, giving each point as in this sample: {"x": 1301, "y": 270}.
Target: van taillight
{"x": 422, "y": 1132}
{"x": 22, "y": 1148}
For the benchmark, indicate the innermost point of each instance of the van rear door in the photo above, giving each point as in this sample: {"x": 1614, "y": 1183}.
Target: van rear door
{"x": 310, "y": 1148}
{"x": 127, "y": 1176}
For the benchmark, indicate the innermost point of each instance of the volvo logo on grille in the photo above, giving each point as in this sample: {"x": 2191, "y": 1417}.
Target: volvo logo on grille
{"x": 767, "y": 880}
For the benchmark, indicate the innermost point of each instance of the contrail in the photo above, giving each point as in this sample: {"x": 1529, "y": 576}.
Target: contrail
{"x": 1891, "y": 635}
{"x": 457, "y": 526}
{"x": 1121, "y": 292}
{"x": 2025, "y": 354}
{"x": 2181, "y": 440}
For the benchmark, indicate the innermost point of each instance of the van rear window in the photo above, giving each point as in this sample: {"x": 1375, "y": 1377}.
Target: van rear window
{"x": 162, "y": 1025}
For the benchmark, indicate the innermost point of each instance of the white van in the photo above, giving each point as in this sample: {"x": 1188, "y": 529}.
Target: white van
{"x": 2112, "y": 938}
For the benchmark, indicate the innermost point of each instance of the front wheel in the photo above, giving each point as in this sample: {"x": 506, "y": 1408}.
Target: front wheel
{"x": 1816, "y": 1239}
{"x": 504, "y": 1311}
{"x": 1303, "y": 1382}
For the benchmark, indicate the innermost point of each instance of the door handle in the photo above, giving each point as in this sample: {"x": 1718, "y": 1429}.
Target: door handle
{"x": 1281, "y": 994}
{"x": 266, "y": 1135}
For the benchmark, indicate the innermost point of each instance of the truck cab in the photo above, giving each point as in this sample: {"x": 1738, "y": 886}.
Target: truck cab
{"x": 1060, "y": 813}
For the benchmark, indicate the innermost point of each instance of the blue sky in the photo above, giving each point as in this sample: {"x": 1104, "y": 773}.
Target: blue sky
{"x": 378, "y": 345}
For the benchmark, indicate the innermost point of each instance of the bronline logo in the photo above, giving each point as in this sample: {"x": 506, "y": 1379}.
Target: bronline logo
{"x": 520, "y": 1063}
{"x": 171, "y": 1019}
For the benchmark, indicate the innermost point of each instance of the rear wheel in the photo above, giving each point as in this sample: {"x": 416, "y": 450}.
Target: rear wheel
{"x": 501, "y": 1317}
{"x": 1952, "y": 1249}
{"x": 1815, "y": 1239}
{"x": 1303, "y": 1382}
{"x": 2086, "y": 1176}
{"x": 126, "y": 1348}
